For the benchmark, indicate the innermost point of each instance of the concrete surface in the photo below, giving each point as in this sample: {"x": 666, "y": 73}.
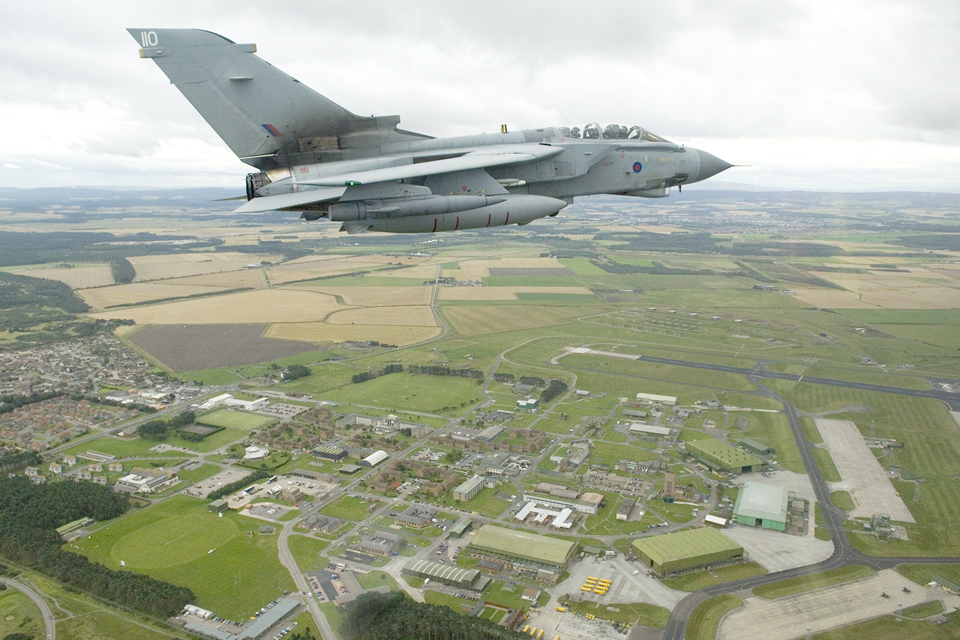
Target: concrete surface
{"x": 777, "y": 551}
{"x": 626, "y": 587}
{"x": 863, "y": 477}
{"x": 827, "y": 608}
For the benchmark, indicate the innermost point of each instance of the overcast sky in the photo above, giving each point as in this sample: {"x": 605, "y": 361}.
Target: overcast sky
{"x": 818, "y": 95}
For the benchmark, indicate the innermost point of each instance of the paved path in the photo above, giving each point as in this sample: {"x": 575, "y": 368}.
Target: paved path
{"x": 49, "y": 623}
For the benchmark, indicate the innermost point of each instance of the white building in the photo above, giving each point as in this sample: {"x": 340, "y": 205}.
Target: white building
{"x": 247, "y": 405}
{"x": 374, "y": 459}
{"x": 147, "y": 480}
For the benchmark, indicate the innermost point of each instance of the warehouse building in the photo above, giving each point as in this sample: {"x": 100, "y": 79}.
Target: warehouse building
{"x": 522, "y": 549}
{"x": 720, "y": 456}
{"x": 330, "y": 452}
{"x": 757, "y": 447}
{"x": 468, "y": 489}
{"x": 471, "y": 579}
{"x": 374, "y": 459}
{"x": 685, "y": 550}
{"x": 762, "y": 505}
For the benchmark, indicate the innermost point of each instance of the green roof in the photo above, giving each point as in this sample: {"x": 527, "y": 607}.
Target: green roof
{"x": 722, "y": 453}
{"x": 523, "y": 544}
{"x": 691, "y": 543}
{"x": 441, "y": 571}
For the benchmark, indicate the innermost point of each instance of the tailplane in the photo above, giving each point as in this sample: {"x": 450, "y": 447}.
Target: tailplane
{"x": 266, "y": 117}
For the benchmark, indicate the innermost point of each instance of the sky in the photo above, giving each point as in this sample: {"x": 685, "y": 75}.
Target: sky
{"x": 839, "y": 95}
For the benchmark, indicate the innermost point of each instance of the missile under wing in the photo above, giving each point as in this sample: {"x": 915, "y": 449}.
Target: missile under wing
{"x": 318, "y": 158}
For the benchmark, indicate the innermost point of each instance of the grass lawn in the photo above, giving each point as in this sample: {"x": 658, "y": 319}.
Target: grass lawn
{"x": 924, "y": 610}
{"x": 647, "y": 615}
{"x": 306, "y": 552}
{"x": 347, "y": 508}
{"x": 376, "y": 579}
{"x": 198, "y": 474}
{"x": 705, "y": 618}
{"x": 496, "y": 594}
{"x": 235, "y": 419}
{"x": 843, "y": 500}
{"x": 486, "y": 502}
{"x": 434, "y": 394}
{"x": 692, "y": 581}
{"x": 455, "y": 603}
{"x": 121, "y": 448}
{"x": 813, "y": 581}
{"x": 889, "y": 628}
{"x": 18, "y": 614}
{"x": 825, "y": 463}
{"x": 231, "y": 570}
{"x": 923, "y": 573}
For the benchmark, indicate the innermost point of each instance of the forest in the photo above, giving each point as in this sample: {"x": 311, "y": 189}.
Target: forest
{"x": 29, "y": 516}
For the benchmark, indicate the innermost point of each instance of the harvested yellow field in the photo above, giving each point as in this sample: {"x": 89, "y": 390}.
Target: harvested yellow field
{"x": 75, "y": 278}
{"x": 504, "y": 293}
{"x": 322, "y": 266}
{"x": 179, "y": 265}
{"x": 832, "y": 299}
{"x": 252, "y": 278}
{"x": 376, "y": 296}
{"x": 104, "y": 297}
{"x": 474, "y": 321}
{"x": 264, "y": 306}
{"x": 320, "y": 332}
{"x": 424, "y": 271}
{"x": 392, "y": 316}
{"x": 479, "y": 269}
{"x": 882, "y": 290}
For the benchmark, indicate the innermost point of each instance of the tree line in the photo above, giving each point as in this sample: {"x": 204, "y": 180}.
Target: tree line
{"x": 370, "y": 375}
{"x": 393, "y": 616}
{"x": 29, "y": 516}
{"x": 159, "y": 429}
{"x": 554, "y": 389}
{"x": 444, "y": 370}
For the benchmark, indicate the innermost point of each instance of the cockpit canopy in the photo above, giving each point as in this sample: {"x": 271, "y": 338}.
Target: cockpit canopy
{"x": 594, "y": 131}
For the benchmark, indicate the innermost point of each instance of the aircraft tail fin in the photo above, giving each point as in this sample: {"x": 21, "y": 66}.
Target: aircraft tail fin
{"x": 266, "y": 117}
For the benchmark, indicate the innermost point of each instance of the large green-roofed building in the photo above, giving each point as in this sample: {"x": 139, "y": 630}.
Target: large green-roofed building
{"x": 524, "y": 550}
{"x": 688, "y": 549}
{"x": 446, "y": 574}
{"x": 720, "y": 456}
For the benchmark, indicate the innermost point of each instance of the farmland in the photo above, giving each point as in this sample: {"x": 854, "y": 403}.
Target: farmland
{"x": 210, "y": 346}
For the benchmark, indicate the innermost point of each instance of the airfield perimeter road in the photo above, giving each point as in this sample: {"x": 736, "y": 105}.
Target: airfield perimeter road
{"x": 49, "y": 623}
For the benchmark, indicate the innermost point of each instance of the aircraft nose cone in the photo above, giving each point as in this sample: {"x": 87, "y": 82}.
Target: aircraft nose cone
{"x": 710, "y": 165}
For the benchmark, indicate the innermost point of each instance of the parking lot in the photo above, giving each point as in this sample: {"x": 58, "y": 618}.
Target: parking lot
{"x": 625, "y": 587}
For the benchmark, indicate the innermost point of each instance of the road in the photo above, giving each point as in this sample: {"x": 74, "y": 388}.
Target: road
{"x": 49, "y": 623}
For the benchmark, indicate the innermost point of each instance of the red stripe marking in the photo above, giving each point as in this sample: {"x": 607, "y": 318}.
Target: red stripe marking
{"x": 458, "y": 224}
{"x": 489, "y": 216}
{"x": 507, "y": 221}
{"x": 434, "y": 225}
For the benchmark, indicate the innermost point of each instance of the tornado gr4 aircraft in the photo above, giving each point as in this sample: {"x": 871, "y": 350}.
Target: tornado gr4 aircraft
{"x": 316, "y": 157}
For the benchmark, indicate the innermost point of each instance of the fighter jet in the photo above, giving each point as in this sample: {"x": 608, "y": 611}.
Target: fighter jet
{"x": 318, "y": 158}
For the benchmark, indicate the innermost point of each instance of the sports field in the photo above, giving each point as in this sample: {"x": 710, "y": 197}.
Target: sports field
{"x": 179, "y": 540}
{"x": 234, "y": 419}
{"x": 407, "y": 391}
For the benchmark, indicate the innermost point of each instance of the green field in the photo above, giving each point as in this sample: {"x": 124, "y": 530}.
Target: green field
{"x": 434, "y": 394}
{"x": 348, "y": 508}
{"x": 486, "y": 503}
{"x": 843, "y": 500}
{"x": 18, "y": 614}
{"x": 234, "y": 419}
{"x": 306, "y": 551}
{"x": 705, "y": 618}
{"x": 179, "y": 540}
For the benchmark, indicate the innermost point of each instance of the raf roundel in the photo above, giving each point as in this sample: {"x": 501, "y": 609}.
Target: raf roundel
{"x": 637, "y": 167}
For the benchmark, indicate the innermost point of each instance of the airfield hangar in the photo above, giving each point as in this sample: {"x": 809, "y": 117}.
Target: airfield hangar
{"x": 685, "y": 550}
{"x": 762, "y": 505}
{"x": 721, "y": 457}
{"x": 522, "y": 549}
{"x": 471, "y": 579}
